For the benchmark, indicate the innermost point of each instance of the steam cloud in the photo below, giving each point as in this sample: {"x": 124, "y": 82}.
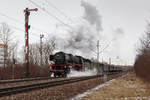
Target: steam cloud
{"x": 82, "y": 39}
{"x": 92, "y": 15}
{"x": 88, "y": 72}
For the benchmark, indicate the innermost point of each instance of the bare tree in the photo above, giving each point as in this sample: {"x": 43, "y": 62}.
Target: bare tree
{"x": 34, "y": 54}
{"x": 6, "y": 37}
{"x": 142, "y": 63}
{"x": 48, "y": 48}
{"x": 144, "y": 42}
{"x": 34, "y": 51}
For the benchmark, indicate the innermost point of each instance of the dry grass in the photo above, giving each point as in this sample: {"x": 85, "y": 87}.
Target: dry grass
{"x": 127, "y": 88}
{"x": 19, "y": 72}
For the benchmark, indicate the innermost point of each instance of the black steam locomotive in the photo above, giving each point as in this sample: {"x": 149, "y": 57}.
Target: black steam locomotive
{"x": 62, "y": 63}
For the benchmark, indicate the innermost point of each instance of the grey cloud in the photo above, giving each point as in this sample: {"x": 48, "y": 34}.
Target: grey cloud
{"x": 92, "y": 15}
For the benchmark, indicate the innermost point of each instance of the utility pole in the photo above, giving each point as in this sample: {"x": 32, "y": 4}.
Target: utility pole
{"x": 98, "y": 50}
{"x": 109, "y": 61}
{"x": 27, "y": 27}
{"x": 13, "y": 66}
{"x": 41, "y": 36}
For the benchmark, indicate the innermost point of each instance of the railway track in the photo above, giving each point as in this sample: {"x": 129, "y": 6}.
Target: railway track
{"x": 16, "y": 83}
{"x": 25, "y": 88}
{"x": 35, "y": 86}
{"x": 24, "y": 80}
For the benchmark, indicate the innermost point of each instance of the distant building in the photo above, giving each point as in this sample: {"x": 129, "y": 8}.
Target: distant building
{"x": 3, "y": 55}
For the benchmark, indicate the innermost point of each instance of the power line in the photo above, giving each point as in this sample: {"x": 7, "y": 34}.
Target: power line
{"x": 65, "y": 15}
{"x": 52, "y": 5}
{"x": 43, "y": 9}
{"x": 55, "y": 17}
{"x": 19, "y": 29}
{"x": 104, "y": 48}
{"x": 11, "y": 18}
{"x": 17, "y": 21}
{"x": 22, "y": 30}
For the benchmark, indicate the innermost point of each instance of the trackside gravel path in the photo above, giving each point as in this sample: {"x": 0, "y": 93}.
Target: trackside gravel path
{"x": 129, "y": 87}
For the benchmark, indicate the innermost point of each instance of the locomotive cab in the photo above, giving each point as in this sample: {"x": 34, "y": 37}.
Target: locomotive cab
{"x": 51, "y": 57}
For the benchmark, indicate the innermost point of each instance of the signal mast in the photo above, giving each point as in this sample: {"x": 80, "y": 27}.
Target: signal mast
{"x": 27, "y": 27}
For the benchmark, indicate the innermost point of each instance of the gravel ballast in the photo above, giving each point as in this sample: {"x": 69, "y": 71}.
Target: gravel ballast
{"x": 7, "y": 85}
{"x": 62, "y": 92}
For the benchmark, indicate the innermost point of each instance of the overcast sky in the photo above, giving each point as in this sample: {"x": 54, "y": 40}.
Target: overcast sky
{"x": 121, "y": 23}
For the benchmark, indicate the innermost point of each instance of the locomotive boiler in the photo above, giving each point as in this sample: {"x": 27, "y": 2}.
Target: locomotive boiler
{"x": 63, "y": 62}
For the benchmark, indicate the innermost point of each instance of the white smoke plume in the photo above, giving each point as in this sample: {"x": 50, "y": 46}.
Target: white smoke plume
{"x": 92, "y": 15}
{"x": 83, "y": 39}
{"x": 87, "y": 72}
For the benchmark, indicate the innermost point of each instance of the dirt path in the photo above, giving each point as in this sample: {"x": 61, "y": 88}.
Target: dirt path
{"x": 128, "y": 87}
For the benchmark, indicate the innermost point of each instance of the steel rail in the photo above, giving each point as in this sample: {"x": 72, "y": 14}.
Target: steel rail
{"x": 25, "y": 88}
{"x": 24, "y": 80}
